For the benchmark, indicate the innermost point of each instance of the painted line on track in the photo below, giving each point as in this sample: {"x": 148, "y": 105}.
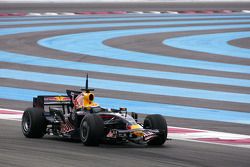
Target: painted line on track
{"x": 126, "y": 86}
{"x": 141, "y": 107}
{"x": 212, "y": 137}
{"x": 130, "y": 15}
{"x": 47, "y": 62}
{"x": 177, "y": 133}
{"x": 10, "y": 31}
{"x": 219, "y": 83}
{"x": 212, "y": 44}
{"x": 136, "y": 18}
{"x": 91, "y": 43}
{"x": 197, "y": 12}
{"x": 9, "y": 114}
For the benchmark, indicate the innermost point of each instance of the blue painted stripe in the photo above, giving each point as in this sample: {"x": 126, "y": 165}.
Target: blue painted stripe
{"x": 125, "y": 86}
{"x": 141, "y": 107}
{"x": 91, "y": 43}
{"x": 9, "y": 31}
{"x": 46, "y": 62}
{"x": 46, "y": 28}
{"x": 212, "y": 43}
{"x": 22, "y": 94}
{"x": 136, "y": 18}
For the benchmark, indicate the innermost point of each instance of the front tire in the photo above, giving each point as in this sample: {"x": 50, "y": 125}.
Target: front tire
{"x": 91, "y": 130}
{"x": 157, "y": 121}
{"x": 33, "y": 123}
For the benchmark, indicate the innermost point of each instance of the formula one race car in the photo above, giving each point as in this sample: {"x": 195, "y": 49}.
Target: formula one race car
{"x": 77, "y": 116}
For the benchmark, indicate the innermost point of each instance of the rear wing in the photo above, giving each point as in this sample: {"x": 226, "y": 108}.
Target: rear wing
{"x": 41, "y": 101}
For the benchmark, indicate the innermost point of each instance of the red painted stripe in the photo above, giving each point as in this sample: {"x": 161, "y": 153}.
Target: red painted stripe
{"x": 10, "y": 112}
{"x": 188, "y": 12}
{"x": 101, "y": 12}
{"x": 182, "y": 130}
{"x": 83, "y": 12}
{"x": 12, "y": 14}
{"x": 118, "y": 12}
{"x": 205, "y": 12}
{"x": 223, "y": 11}
{"x": 225, "y": 141}
{"x": 226, "y": 11}
{"x": 3, "y": 14}
{"x": 17, "y": 14}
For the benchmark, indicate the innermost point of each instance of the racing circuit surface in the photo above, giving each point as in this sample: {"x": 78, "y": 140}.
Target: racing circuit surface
{"x": 192, "y": 68}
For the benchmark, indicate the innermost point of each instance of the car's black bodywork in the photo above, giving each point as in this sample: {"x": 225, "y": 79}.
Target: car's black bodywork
{"x": 57, "y": 115}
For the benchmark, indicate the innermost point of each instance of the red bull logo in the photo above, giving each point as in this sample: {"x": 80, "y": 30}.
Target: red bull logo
{"x": 57, "y": 98}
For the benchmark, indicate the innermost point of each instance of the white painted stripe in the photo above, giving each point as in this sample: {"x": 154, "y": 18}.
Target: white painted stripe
{"x": 172, "y": 12}
{"x": 12, "y": 110}
{"x": 208, "y": 134}
{"x": 13, "y": 116}
{"x": 50, "y": 14}
{"x": 245, "y": 11}
{"x": 67, "y": 14}
{"x": 205, "y": 134}
{"x": 138, "y": 12}
{"x": 155, "y": 12}
{"x": 33, "y": 14}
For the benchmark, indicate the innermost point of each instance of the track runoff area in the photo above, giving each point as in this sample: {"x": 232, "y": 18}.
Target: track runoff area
{"x": 192, "y": 68}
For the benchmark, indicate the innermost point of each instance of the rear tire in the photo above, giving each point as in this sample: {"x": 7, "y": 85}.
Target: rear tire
{"x": 91, "y": 130}
{"x": 157, "y": 121}
{"x": 34, "y": 123}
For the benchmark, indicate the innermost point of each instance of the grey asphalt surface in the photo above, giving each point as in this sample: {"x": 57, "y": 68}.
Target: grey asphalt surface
{"x": 16, "y": 150}
{"x": 78, "y": 7}
{"x": 243, "y": 43}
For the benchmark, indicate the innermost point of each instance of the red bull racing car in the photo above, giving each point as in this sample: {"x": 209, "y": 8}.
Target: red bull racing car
{"x": 77, "y": 116}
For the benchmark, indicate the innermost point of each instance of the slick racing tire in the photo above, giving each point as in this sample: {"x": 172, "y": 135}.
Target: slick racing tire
{"x": 33, "y": 123}
{"x": 91, "y": 130}
{"x": 157, "y": 121}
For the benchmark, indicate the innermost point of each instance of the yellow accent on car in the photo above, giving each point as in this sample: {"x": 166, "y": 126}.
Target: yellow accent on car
{"x": 88, "y": 100}
{"x": 60, "y": 98}
{"x": 136, "y": 126}
{"x": 138, "y": 133}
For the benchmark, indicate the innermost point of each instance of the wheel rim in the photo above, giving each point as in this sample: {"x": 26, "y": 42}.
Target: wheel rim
{"x": 84, "y": 131}
{"x": 26, "y": 123}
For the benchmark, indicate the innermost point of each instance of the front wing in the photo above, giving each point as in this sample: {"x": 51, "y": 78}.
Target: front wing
{"x": 135, "y": 135}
